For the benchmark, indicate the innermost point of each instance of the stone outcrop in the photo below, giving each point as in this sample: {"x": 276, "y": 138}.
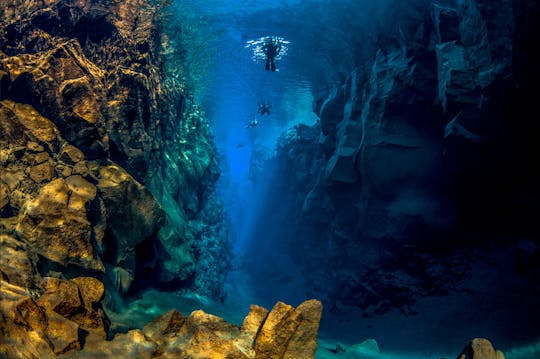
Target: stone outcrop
{"x": 55, "y": 323}
{"x": 59, "y": 205}
{"x": 67, "y": 321}
{"x": 107, "y": 171}
{"x": 103, "y": 149}
{"x": 480, "y": 348}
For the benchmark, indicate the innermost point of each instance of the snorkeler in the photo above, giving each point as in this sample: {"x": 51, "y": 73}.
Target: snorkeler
{"x": 264, "y": 108}
{"x": 271, "y": 48}
{"x": 253, "y": 123}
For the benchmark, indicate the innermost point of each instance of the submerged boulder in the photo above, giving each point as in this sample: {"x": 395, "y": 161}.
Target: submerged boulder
{"x": 284, "y": 332}
{"x": 480, "y": 348}
{"x": 53, "y": 323}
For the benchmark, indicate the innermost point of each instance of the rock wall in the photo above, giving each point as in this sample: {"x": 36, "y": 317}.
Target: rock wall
{"x": 421, "y": 161}
{"x": 107, "y": 171}
{"x": 107, "y": 165}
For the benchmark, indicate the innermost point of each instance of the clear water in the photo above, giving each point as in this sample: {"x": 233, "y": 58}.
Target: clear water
{"x": 324, "y": 37}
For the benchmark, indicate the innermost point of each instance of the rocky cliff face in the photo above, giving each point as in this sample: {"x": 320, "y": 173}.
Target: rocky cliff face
{"x": 421, "y": 161}
{"x": 107, "y": 170}
{"x": 107, "y": 166}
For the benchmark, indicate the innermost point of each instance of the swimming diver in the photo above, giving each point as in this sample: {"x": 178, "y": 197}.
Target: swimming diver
{"x": 253, "y": 123}
{"x": 271, "y": 48}
{"x": 264, "y": 108}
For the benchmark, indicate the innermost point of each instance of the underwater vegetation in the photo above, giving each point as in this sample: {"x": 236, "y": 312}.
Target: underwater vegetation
{"x": 387, "y": 168}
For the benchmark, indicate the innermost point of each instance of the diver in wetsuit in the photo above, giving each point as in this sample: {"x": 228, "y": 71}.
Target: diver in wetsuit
{"x": 264, "y": 109}
{"x": 271, "y": 48}
{"x": 253, "y": 123}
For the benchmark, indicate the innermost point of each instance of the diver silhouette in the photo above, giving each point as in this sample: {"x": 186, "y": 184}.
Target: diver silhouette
{"x": 271, "y": 48}
{"x": 264, "y": 108}
{"x": 253, "y": 123}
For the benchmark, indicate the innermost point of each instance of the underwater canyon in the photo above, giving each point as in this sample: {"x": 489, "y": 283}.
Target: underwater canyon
{"x": 378, "y": 175}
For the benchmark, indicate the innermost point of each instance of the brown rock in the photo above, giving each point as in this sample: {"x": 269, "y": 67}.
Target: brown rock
{"x": 4, "y": 198}
{"x": 17, "y": 199}
{"x": 41, "y": 157}
{"x": 34, "y": 147}
{"x": 79, "y": 100}
{"x": 92, "y": 318}
{"x": 78, "y": 300}
{"x": 18, "y": 263}
{"x": 133, "y": 214}
{"x": 62, "y": 333}
{"x": 480, "y": 348}
{"x": 80, "y": 168}
{"x": 206, "y": 344}
{"x": 65, "y": 171}
{"x": 29, "y": 313}
{"x": 252, "y": 322}
{"x": 71, "y": 155}
{"x": 82, "y": 192}
{"x": 167, "y": 323}
{"x": 277, "y": 329}
{"x": 12, "y": 177}
{"x": 68, "y": 86}
{"x": 41, "y": 173}
{"x": 61, "y": 296}
{"x": 303, "y": 343}
{"x": 56, "y": 230}
{"x": 22, "y": 123}
{"x": 133, "y": 344}
{"x": 201, "y": 335}
{"x": 22, "y": 324}
{"x": 217, "y": 325}
{"x": 91, "y": 289}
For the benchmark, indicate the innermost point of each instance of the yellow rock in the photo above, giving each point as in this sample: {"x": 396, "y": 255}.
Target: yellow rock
{"x": 43, "y": 172}
{"x": 206, "y": 344}
{"x": 303, "y": 343}
{"x": 480, "y": 348}
{"x": 79, "y": 99}
{"x": 34, "y": 146}
{"x": 71, "y": 154}
{"x": 12, "y": 178}
{"x": 59, "y": 232}
{"x": 92, "y": 290}
{"x": 63, "y": 333}
{"x": 41, "y": 157}
{"x": 253, "y": 321}
{"x": 167, "y": 323}
{"x": 217, "y": 325}
{"x": 275, "y": 332}
{"x": 4, "y": 198}
{"x": 82, "y": 192}
{"x": 61, "y": 296}
{"x": 36, "y": 127}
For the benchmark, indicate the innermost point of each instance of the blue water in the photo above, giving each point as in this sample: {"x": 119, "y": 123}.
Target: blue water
{"x": 235, "y": 83}
{"x": 324, "y": 39}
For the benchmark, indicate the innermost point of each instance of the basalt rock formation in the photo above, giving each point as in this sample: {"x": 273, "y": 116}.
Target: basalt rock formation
{"x": 420, "y": 165}
{"x": 107, "y": 165}
{"x": 107, "y": 171}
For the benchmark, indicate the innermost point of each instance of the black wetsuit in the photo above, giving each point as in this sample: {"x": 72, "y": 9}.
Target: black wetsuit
{"x": 271, "y": 49}
{"x": 264, "y": 109}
